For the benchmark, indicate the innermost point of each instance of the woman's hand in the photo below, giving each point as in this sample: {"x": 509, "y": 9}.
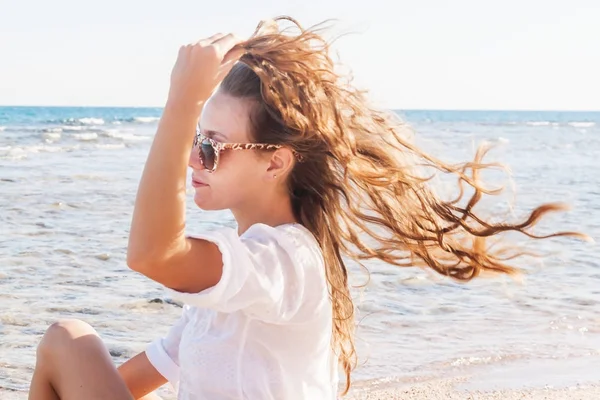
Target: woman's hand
{"x": 200, "y": 67}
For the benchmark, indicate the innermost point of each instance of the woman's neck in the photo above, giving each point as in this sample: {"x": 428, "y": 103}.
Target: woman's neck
{"x": 275, "y": 211}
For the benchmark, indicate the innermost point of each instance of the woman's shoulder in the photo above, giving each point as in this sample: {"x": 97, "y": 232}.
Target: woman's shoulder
{"x": 296, "y": 240}
{"x": 292, "y": 242}
{"x": 294, "y": 237}
{"x": 266, "y": 268}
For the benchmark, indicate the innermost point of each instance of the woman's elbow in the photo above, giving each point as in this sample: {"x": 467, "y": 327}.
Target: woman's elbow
{"x": 139, "y": 262}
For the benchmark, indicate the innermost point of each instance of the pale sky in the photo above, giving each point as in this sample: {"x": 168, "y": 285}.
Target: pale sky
{"x": 427, "y": 54}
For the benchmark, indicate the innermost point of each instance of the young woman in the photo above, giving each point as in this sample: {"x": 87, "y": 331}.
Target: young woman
{"x": 312, "y": 174}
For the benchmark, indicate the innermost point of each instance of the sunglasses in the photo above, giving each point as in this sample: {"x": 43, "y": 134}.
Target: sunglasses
{"x": 210, "y": 150}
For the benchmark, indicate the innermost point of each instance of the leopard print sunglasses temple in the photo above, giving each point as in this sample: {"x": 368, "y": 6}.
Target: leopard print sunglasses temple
{"x": 209, "y": 150}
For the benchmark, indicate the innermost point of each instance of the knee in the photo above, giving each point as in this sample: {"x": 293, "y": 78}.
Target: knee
{"x": 61, "y": 335}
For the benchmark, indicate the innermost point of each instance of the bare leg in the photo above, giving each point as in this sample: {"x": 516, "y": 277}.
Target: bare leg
{"x": 40, "y": 388}
{"x": 73, "y": 363}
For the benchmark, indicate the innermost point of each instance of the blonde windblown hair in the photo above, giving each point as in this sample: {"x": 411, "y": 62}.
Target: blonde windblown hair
{"x": 359, "y": 189}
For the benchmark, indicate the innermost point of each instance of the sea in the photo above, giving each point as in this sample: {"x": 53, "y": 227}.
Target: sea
{"x": 68, "y": 179}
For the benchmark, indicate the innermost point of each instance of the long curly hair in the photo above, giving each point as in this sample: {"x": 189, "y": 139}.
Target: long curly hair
{"x": 360, "y": 187}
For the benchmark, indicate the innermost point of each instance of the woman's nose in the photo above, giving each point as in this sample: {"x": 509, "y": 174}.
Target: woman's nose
{"x": 194, "y": 160}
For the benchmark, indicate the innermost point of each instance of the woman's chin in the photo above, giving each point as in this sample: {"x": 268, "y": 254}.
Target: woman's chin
{"x": 201, "y": 202}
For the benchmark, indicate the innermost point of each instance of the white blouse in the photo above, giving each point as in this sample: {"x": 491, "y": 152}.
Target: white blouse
{"x": 264, "y": 331}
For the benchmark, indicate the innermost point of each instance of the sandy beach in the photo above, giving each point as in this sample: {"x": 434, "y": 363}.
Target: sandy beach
{"x": 452, "y": 389}
{"x": 444, "y": 390}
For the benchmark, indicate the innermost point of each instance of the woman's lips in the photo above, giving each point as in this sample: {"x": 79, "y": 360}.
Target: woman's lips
{"x": 198, "y": 183}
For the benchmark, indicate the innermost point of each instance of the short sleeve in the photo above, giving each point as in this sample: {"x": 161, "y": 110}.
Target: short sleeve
{"x": 265, "y": 274}
{"x": 163, "y": 353}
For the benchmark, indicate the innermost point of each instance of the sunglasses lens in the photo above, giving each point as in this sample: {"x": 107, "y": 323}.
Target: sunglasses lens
{"x": 207, "y": 154}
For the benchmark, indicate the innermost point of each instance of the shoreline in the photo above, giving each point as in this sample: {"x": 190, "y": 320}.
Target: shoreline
{"x": 536, "y": 379}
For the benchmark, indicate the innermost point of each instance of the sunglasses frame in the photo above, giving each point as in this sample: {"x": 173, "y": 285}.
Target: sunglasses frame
{"x": 218, "y": 147}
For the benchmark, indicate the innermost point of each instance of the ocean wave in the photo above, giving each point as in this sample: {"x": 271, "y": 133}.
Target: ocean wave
{"x": 145, "y": 120}
{"x": 85, "y": 136}
{"x": 25, "y": 128}
{"x": 72, "y": 128}
{"x": 116, "y": 134}
{"x": 538, "y": 123}
{"x": 87, "y": 139}
{"x": 582, "y": 124}
{"x": 110, "y": 146}
{"x": 42, "y": 149}
{"x": 464, "y": 361}
{"x": 80, "y": 121}
{"x": 515, "y": 123}
{"x": 542, "y": 123}
{"x": 135, "y": 120}
{"x": 90, "y": 121}
{"x": 2, "y": 128}
{"x": 575, "y": 124}
{"x": 73, "y": 122}
{"x": 52, "y": 135}
{"x": 21, "y": 152}
{"x": 52, "y": 130}
{"x": 21, "y": 135}
{"x": 83, "y": 129}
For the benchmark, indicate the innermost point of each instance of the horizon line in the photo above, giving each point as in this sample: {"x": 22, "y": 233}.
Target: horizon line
{"x": 389, "y": 108}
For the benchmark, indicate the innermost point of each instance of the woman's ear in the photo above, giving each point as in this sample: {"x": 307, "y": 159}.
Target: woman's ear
{"x": 281, "y": 163}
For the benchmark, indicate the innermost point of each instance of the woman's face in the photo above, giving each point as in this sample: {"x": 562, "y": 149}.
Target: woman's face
{"x": 240, "y": 174}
